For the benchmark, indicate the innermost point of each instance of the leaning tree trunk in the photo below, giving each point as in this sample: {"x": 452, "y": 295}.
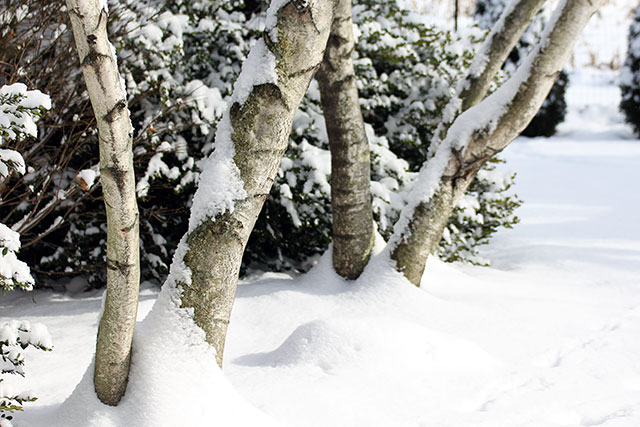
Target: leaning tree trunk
{"x": 115, "y": 333}
{"x": 472, "y": 139}
{"x": 494, "y": 51}
{"x": 250, "y": 143}
{"x": 496, "y": 48}
{"x": 350, "y": 159}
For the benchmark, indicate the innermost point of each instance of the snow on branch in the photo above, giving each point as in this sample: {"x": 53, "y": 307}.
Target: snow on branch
{"x": 491, "y": 125}
{"x": 220, "y": 184}
{"x": 19, "y": 110}
{"x": 15, "y": 337}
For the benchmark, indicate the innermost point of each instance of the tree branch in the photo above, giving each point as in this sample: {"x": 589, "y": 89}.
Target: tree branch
{"x": 479, "y": 133}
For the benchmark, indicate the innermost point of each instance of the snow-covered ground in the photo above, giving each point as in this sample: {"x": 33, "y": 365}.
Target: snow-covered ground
{"x": 547, "y": 336}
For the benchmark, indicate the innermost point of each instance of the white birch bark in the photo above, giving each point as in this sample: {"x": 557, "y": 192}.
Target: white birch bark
{"x": 465, "y": 150}
{"x": 350, "y": 157}
{"x": 115, "y": 333}
{"x": 496, "y": 48}
{"x": 206, "y": 267}
{"x": 489, "y": 59}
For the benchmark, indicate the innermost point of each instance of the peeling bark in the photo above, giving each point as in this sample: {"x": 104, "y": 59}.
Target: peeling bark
{"x": 350, "y": 157}
{"x": 260, "y": 134}
{"x": 99, "y": 67}
{"x": 413, "y": 245}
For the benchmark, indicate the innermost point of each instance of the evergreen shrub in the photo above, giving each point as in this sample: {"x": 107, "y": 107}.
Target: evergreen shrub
{"x": 630, "y": 76}
{"x": 179, "y": 61}
{"x": 15, "y": 337}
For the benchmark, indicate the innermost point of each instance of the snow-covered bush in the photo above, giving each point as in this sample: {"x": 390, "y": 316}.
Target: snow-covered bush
{"x": 406, "y": 73}
{"x": 15, "y": 337}
{"x": 13, "y": 272}
{"x": 295, "y": 223}
{"x": 19, "y": 110}
{"x": 482, "y": 211}
{"x": 36, "y": 48}
{"x": 630, "y": 76}
{"x": 179, "y": 61}
{"x": 554, "y": 108}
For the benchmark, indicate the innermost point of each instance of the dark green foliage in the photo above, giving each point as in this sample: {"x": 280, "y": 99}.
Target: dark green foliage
{"x": 483, "y": 210}
{"x": 630, "y": 76}
{"x": 552, "y": 111}
{"x": 407, "y": 72}
{"x": 179, "y": 61}
{"x": 407, "y": 87}
{"x": 172, "y": 70}
{"x": 15, "y": 337}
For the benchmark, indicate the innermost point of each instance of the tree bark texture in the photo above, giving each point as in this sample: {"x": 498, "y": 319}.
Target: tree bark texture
{"x": 413, "y": 244}
{"x": 260, "y": 133}
{"x": 350, "y": 158}
{"x": 491, "y": 56}
{"x": 108, "y": 98}
{"x": 496, "y": 48}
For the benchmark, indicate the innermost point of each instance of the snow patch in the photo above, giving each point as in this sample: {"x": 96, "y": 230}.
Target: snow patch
{"x": 170, "y": 362}
{"x": 259, "y": 68}
{"x": 220, "y": 183}
{"x": 88, "y": 176}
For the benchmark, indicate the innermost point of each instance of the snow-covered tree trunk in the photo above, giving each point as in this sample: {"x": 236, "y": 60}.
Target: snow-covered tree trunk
{"x": 250, "y": 142}
{"x": 350, "y": 158}
{"x": 480, "y": 133}
{"x": 108, "y": 98}
{"x": 494, "y": 51}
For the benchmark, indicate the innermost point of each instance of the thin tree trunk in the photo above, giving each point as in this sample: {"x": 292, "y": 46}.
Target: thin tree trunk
{"x": 464, "y": 152}
{"x": 255, "y": 139}
{"x": 494, "y": 51}
{"x": 350, "y": 157}
{"x": 456, "y": 10}
{"x": 499, "y": 43}
{"x": 108, "y": 98}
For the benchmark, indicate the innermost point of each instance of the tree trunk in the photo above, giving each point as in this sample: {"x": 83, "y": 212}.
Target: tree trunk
{"x": 99, "y": 66}
{"x": 494, "y": 51}
{"x": 464, "y": 151}
{"x": 350, "y": 158}
{"x": 456, "y": 10}
{"x": 250, "y": 143}
{"x": 496, "y": 48}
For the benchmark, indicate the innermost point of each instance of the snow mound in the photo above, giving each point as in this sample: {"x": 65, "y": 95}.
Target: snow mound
{"x": 322, "y": 343}
{"x": 342, "y": 344}
{"x": 174, "y": 380}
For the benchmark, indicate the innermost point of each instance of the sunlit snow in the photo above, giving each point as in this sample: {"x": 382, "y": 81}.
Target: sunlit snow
{"x": 547, "y": 336}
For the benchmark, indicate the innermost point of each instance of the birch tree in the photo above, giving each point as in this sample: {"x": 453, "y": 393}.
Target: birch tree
{"x": 499, "y": 43}
{"x": 250, "y": 142}
{"x": 107, "y": 95}
{"x": 350, "y": 158}
{"x": 479, "y": 134}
